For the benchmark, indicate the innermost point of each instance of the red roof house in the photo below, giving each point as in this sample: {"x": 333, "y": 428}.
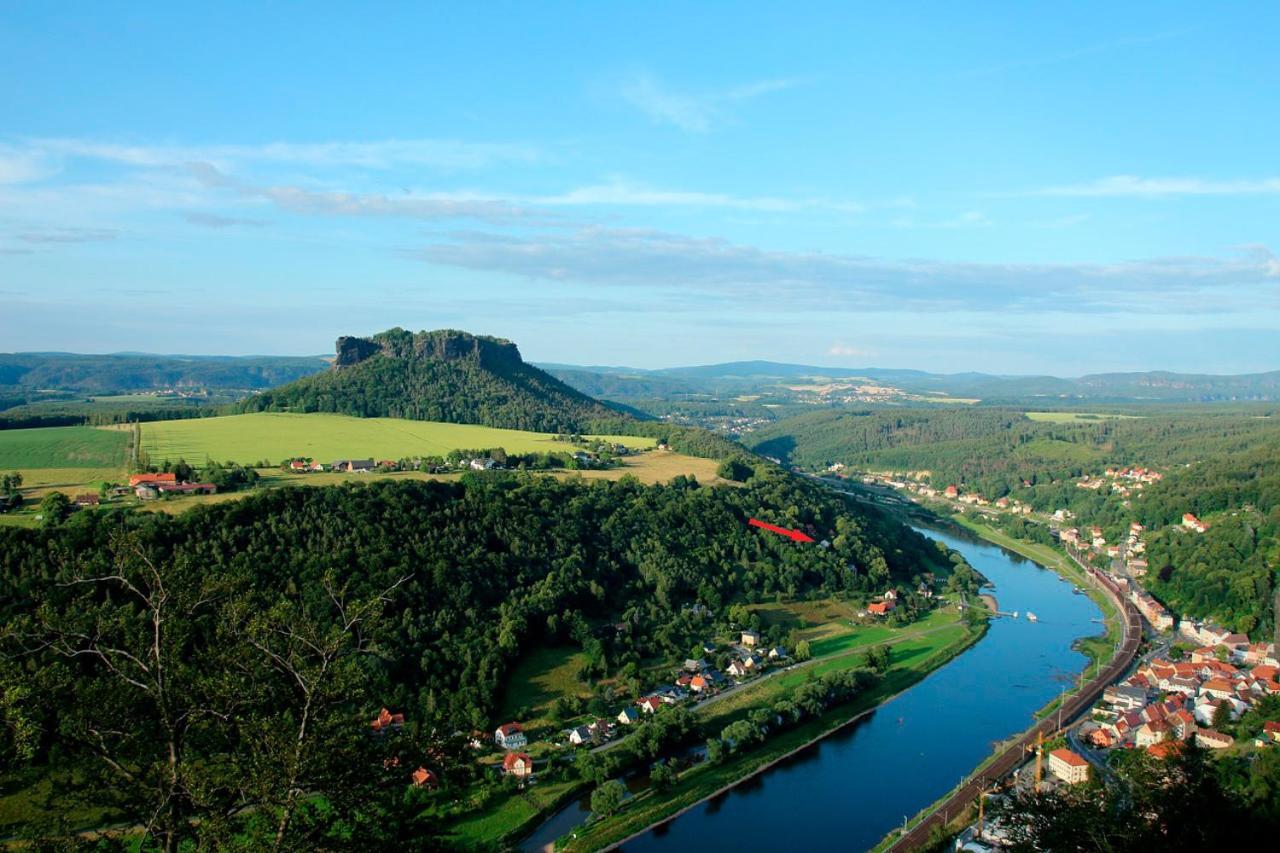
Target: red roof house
{"x": 386, "y": 721}
{"x": 517, "y": 764}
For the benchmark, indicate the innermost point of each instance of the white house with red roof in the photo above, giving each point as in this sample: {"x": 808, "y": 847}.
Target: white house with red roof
{"x": 510, "y": 736}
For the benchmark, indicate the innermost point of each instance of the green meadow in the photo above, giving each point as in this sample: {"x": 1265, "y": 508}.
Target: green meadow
{"x": 276, "y": 436}
{"x": 62, "y": 447}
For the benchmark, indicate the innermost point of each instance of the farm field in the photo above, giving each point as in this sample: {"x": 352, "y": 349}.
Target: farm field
{"x": 62, "y": 448}
{"x": 1075, "y": 417}
{"x": 275, "y": 436}
{"x": 656, "y": 466}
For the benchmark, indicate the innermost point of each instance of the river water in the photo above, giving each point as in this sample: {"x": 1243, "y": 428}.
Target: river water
{"x": 847, "y": 791}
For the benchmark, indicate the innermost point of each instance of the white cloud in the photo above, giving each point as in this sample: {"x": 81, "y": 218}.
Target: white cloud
{"x": 1136, "y": 186}
{"x": 18, "y": 166}
{"x": 844, "y": 350}
{"x": 695, "y": 113}
{"x": 702, "y": 268}
{"x": 619, "y": 192}
{"x": 67, "y": 235}
{"x": 383, "y": 154}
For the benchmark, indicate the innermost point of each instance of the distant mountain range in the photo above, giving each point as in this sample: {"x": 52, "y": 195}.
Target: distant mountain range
{"x": 443, "y": 375}
{"x": 22, "y": 374}
{"x": 756, "y": 377}
{"x": 125, "y": 372}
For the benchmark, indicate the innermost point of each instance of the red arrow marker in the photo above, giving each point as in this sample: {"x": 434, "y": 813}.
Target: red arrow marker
{"x": 793, "y": 535}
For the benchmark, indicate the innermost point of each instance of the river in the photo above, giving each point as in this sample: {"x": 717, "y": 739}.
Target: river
{"x": 847, "y": 791}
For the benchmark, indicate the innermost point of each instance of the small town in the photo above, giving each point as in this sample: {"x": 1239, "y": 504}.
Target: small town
{"x": 1196, "y": 682}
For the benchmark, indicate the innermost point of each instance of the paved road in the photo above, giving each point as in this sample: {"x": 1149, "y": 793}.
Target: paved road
{"x": 1013, "y": 755}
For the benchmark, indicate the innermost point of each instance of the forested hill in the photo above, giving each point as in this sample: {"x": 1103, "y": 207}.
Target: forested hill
{"x": 249, "y": 643}
{"x": 993, "y": 451}
{"x": 442, "y": 375}
{"x": 125, "y": 372}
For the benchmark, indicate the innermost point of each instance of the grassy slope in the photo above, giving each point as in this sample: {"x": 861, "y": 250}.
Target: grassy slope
{"x": 277, "y": 436}
{"x": 62, "y": 448}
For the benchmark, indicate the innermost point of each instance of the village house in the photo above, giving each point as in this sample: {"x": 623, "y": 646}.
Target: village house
{"x": 1068, "y": 766}
{"x": 354, "y": 465}
{"x": 424, "y": 778}
{"x": 581, "y": 735}
{"x": 86, "y": 500}
{"x": 698, "y": 684}
{"x": 880, "y": 608}
{"x": 1209, "y": 739}
{"x": 1190, "y": 522}
{"x": 777, "y": 653}
{"x": 951, "y": 492}
{"x": 152, "y": 479}
{"x": 737, "y": 669}
{"x": 510, "y": 736}
{"x": 650, "y": 704}
{"x": 750, "y": 639}
{"x": 517, "y": 764}
{"x": 1152, "y": 733}
{"x": 628, "y": 716}
{"x": 387, "y": 722}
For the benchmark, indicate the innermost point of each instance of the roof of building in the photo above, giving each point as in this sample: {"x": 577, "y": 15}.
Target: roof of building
{"x": 1067, "y": 756}
{"x": 509, "y": 760}
{"x": 508, "y": 729}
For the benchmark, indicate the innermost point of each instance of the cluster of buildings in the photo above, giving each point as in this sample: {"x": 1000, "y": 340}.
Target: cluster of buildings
{"x": 1121, "y": 481}
{"x": 1165, "y": 702}
{"x": 148, "y": 487}
{"x": 387, "y": 723}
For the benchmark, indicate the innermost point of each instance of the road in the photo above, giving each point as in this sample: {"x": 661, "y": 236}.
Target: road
{"x": 1004, "y": 763}
{"x": 906, "y": 634}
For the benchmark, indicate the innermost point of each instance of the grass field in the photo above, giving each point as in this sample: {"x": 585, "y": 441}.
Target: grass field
{"x": 62, "y": 447}
{"x": 1074, "y": 417}
{"x": 274, "y": 437}
{"x": 538, "y": 680}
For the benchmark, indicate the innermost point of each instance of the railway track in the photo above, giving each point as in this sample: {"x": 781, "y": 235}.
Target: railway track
{"x": 1013, "y": 755}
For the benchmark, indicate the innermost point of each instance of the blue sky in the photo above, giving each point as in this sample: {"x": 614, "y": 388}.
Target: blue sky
{"x": 998, "y": 187}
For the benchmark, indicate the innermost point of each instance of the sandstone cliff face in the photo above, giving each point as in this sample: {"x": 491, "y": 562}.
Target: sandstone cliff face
{"x": 353, "y": 351}
{"x": 443, "y": 345}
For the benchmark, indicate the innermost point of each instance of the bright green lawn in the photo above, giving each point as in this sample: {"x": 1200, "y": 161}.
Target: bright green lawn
{"x": 62, "y": 447}
{"x": 275, "y": 436}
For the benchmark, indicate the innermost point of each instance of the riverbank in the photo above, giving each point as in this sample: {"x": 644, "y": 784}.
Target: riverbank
{"x": 705, "y": 781}
{"x": 956, "y": 806}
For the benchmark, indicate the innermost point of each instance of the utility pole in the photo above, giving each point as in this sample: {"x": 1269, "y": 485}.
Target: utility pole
{"x": 1039, "y": 759}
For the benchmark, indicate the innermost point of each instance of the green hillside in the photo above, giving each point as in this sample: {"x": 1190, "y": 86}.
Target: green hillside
{"x": 446, "y": 376}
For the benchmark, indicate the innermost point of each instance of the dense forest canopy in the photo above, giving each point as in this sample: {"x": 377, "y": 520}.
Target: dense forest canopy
{"x": 130, "y": 639}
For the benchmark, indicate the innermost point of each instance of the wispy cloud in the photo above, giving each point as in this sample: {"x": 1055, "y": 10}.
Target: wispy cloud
{"x": 623, "y": 193}
{"x": 705, "y": 267}
{"x": 214, "y": 220}
{"x": 968, "y": 219}
{"x": 67, "y": 235}
{"x": 1077, "y": 53}
{"x": 21, "y": 165}
{"x": 384, "y": 154}
{"x": 846, "y": 351}
{"x": 690, "y": 111}
{"x": 1136, "y": 186}
{"x": 303, "y": 200}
